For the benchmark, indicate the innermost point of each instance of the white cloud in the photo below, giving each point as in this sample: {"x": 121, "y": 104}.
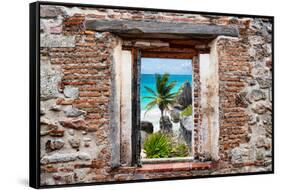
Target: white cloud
{"x": 161, "y": 66}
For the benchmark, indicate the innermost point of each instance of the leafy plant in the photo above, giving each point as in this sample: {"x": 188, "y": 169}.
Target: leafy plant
{"x": 157, "y": 145}
{"x": 180, "y": 150}
{"x": 163, "y": 95}
{"x": 187, "y": 111}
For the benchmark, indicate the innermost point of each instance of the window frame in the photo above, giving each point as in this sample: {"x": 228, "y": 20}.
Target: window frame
{"x": 137, "y": 54}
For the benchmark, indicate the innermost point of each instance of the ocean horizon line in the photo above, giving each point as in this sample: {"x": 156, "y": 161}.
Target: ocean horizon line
{"x": 164, "y": 73}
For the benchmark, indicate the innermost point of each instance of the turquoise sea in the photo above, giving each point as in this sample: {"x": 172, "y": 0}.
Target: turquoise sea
{"x": 149, "y": 80}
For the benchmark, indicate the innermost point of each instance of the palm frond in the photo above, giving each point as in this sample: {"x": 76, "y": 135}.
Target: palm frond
{"x": 150, "y": 90}
{"x": 158, "y": 83}
{"x": 149, "y": 97}
{"x": 171, "y": 95}
{"x": 169, "y": 87}
{"x": 149, "y": 106}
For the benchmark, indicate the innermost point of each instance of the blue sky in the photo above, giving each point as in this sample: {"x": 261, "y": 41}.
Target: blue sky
{"x": 163, "y": 65}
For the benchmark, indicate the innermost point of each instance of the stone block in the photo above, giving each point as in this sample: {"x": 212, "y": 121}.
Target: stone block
{"x": 71, "y": 111}
{"x": 74, "y": 143}
{"x": 58, "y": 158}
{"x": 71, "y": 92}
{"x": 53, "y": 40}
{"x": 50, "y": 78}
{"x": 256, "y": 95}
{"x": 84, "y": 156}
{"x": 264, "y": 83}
{"x": 52, "y": 145}
{"x": 78, "y": 124}
{"x": 50, "y": 11}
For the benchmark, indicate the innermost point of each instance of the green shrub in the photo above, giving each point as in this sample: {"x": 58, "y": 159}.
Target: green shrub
{"x": 157, "y": 145}
{"x": 180, "y": 150}
{"x": 187, "y": 111}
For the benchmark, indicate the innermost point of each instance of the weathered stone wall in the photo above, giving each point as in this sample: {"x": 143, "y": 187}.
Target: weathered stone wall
{"x": 79, "y": 131}
{"x": 245, "y": 103}
{"x": 77, "y": 77}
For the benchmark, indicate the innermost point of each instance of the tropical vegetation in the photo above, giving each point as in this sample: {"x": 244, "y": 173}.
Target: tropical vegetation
{"x": 162, "y": 97}
{"x": 187, "y": 111}
{"x": 157, "y": 145}
{"x": 179, "y": 150}
{"x": 160, "y": 145}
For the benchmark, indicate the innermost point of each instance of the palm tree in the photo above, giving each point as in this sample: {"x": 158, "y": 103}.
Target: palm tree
{"x": 163, "y": 97}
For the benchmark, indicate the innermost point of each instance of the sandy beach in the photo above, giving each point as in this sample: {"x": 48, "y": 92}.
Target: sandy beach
{"x": 153, "y": 116}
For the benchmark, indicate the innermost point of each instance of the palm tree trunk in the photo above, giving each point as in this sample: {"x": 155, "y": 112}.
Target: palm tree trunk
{"x": 161, "y": 121}
{"x": 162, "y": 113}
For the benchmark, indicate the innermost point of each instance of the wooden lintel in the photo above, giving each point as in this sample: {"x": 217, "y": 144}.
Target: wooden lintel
{"x": 160, "y": 30}
{"x": 190, "y": 42}
{"x": 173, "y": 50}
{"x": 175, "y": 55}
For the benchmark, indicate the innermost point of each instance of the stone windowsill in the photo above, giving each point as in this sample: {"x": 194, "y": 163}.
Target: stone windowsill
{"x": 166, "y": 160}
{"x": 174, "y": 167}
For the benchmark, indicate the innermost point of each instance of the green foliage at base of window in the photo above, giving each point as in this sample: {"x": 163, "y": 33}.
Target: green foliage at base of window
{"x": 187, "y": 111}
{"x": 180, "y": 150}
{"x": 157, "y": 145}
